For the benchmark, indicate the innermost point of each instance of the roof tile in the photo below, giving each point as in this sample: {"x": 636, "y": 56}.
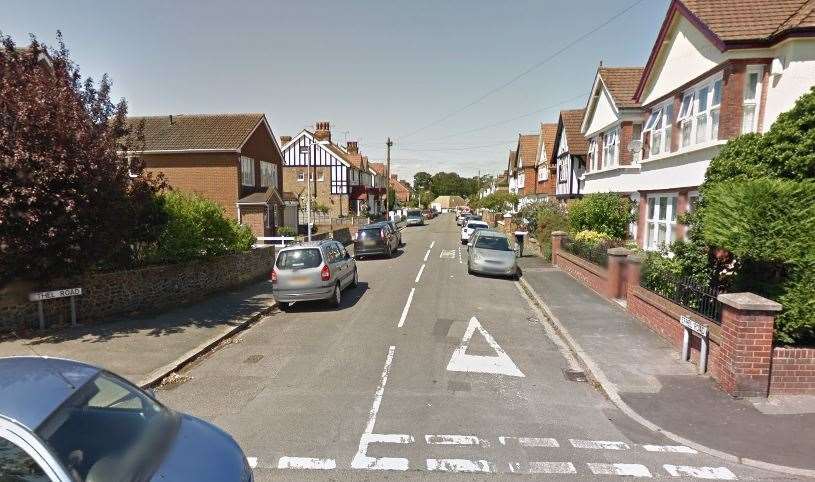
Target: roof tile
{"x": 572, "y": 120}
{"x": 622, "y": 83}
{"x": 741, "y": 20}
{"x": 196, "y": 131}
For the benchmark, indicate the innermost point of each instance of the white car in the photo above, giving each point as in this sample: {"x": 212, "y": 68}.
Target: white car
{"x": 470, "y": 227}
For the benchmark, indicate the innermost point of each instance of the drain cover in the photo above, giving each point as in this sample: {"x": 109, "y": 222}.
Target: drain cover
{"x": 253, "y": 359}
{"x": 574, "y": 375}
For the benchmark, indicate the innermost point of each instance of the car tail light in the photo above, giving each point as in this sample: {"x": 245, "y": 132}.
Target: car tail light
{"x": 273, "y": 276}
{"x": 325, "y": 273}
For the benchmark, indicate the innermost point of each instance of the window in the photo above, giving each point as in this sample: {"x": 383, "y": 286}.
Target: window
{"x": 16, "y": 465}
{"x": 610, "y": 148}
{"x": 593, "y": 166}
{"x": 268, "y": 174}
{"x": 301, "y": 176}
{"x": 661, "y": 220}
{"x": 320, "y": 176}
{"x": 659, "y": 127}
{"x": 543, "y": 172}
{"x": 561, "y": 170}
{"x": 752, "y": 94}
{"x": 247, "y": 171}
{"x": 699, "y": 114}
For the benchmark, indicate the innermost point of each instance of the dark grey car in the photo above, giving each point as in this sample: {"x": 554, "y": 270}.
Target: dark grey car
{"x": 318, "y": 270}
{"x": 377, "y": 239}
{"x": 67, "y": 421}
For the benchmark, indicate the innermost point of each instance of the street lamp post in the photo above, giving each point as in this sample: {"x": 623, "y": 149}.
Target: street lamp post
{"x": 307, "y": 150}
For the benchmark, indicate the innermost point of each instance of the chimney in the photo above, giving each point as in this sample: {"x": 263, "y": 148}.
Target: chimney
{"x": 285, "y": 139}
{"x": 394, "y": 177}
{"x": 171, "y": 120}
{"x": 323, "y": 131}
{"x": 353, "y": 147}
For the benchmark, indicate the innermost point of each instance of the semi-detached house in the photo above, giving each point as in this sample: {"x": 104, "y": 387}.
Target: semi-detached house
{"x": 545, "y": 170}
{"x": 570, "y": 148}
{"x": 526, "y": 165}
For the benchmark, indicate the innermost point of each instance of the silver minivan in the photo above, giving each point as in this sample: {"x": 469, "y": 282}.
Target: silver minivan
{"x": 317, "y": 270}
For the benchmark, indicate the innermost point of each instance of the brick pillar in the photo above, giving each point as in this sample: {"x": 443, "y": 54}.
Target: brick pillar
{"x": 747, "y": 343}
{"x": 616, "y": 265}
{"x": 557, "y": 237}
{"x": 633, "y": 273}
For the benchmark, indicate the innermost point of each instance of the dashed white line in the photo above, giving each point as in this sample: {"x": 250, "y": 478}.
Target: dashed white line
{"x": 552, "y": 468}
{"x": 459, "y": 465}
{"x": 432, "y": 244}
{"x": 418, "y": 276}
{"x": 722, "y": 473}
{"x": 452, "y": 440}
{"x": 407, "y": 307}
{"x": 426, "y": 255}
{"x": 681, "y": 449}
{"x": 308, "y": 463}
{"x": 631, "y": 470}
{"x": 598, "y": 444}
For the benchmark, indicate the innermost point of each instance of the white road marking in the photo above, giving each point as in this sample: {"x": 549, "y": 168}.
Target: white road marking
{"x": 670, "y": 448}
{"x": 426, "y": 255}
{"x": 407, "y": 307}
{"x": 361, "y": 459}
{"x": 552, "y": 468}
{"x": 598, "y": 444}
{"x": 418, "y": 276}
{"x": 447, "y": 254}
{"x": 631, "y": 470}
{"x": 500, "y": 364}
{"x": 531, "y": 441}
{"x": 458, "y": 465}
{"x": 252, "y": 461}
{"x": 432, "y": 244}
{"x": 452, "y": 440}
{"x": 459, "y": 256}
{"x": 309, "y": 463}
{"x": 700, "y": 472}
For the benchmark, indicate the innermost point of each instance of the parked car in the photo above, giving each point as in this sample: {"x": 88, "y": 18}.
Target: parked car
{"x": 429, "y": 214}
{"x": 492, "y": 252}
{"x": 377, "y": 239}
{"x": 67, "y": 421}
{"x": 414, "y": 217}
{"x": 471, "y": 226}
{"x": 318, "y": 270}
{"x": 397, "y": 230}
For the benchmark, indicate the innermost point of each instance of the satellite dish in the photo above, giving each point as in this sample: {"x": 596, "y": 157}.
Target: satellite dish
{"x": 635, "y": 145}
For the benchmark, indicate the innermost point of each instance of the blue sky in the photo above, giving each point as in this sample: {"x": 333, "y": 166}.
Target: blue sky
{"x": 372, "y": 68}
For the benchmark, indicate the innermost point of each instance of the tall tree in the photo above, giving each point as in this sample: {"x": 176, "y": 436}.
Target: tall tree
{"x": 422, "y": 181}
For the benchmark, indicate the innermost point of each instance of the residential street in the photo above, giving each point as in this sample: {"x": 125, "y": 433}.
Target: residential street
{"x": 316, "y": 391}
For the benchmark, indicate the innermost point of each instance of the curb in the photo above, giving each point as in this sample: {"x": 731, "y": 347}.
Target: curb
{"x": 154, "y": 378}
{"x": 611, "y": 392}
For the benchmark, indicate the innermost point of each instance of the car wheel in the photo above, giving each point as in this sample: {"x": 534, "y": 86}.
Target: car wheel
{"x": 284, "y": 306}
{"x": 355, "y": 282}
{"x": 336, "y": 298}
{"x": 390, "y": 252}
{"x": 469, "y": 269}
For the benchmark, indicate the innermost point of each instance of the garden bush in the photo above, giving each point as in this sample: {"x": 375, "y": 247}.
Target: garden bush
{"x": 607, "y": 213}
{"x": 542, "y": 219}
{"x": 590, "y": 237}
{"x": 286, "y": 231}
{"x": 197, "y": 228}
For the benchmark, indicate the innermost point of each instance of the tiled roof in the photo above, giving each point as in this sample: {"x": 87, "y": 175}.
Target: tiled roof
{"x": 397, "y": 185}
{"x": 513, "y": 157}
{"x": 740, "y": 20}
{"x": 289, "y": 196}
{"x": 572, "y": 119}
{"x": 528, "y": 149}
{"x": 378, "y": 167}
{"x": 196, "y": 131}
{"x": 622, "y": 83}
{"x": 548, "y": 135}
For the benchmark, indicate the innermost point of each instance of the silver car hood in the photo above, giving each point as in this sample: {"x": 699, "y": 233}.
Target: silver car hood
{"x": 494, "y": 255}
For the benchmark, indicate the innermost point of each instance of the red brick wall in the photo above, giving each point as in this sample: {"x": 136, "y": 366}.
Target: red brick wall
{"x": 595, "y": 277}
{"x": 793, "y": 371}
{"x": 626, "y": 133}
{"x": 530, "y": 180}
{"x": 547, "y": 186}
{"x": 254, "y": 216}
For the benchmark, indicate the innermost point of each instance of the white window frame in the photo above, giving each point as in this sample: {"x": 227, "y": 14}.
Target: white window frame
{"x": 654, "y": 219}
{"x": 301, "y": 176}
{"x": 754, "y": 102}
{"x": 268, "y": 174}
{"x": 660, "y": 126}
{"x": 692, "y": 114}
{"x": 611, "y": 148}
{"x": 247, "y": 171}
{"x": 320, "y": 176}
{"x": 543, "y": 172}
{"x": 592, "y": 154}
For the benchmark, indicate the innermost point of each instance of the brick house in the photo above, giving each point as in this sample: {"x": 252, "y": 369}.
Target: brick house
{"x": 718, "y": 68}
{"x": 400, "y": 190}
{"x": 545, "y": 171}
{"x": 232, "y": 159}
{"x": 512, "y": 172}
{"x": 340, "y": 179}
{"x": 526, "y": 165}
{"x": 570, "y": 149}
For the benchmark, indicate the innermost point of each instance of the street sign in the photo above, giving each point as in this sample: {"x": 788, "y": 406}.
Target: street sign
{"x": 49, "y": 295}
{"x": 693, "y": 325}
{"x": 699, "y": 330}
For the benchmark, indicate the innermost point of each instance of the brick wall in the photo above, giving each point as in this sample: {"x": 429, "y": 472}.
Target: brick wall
{"x": 793, "y": 371}
{"x": 589, "y": 273}
{"x": 254, "y": 216}
{"x": 530, "y": 180}
{"x": 337, "y": 204}
{"x": 147, "y": 289}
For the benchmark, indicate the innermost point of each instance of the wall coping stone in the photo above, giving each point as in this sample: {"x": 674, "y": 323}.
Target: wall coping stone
{"x": 748, "y": 302}
{"x": 559, "y": 234}
{"x": 619, "y": 251}
{"x": 635, "y": 258}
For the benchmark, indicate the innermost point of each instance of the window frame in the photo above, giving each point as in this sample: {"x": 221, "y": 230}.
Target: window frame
{"x": 755, "y": 102}
{"x": 659, "y": 117}
{"x": 268, "y": 178}
{"x": 245, "y": 162}
{"x": 301, "y": 176}
{"x": 691, "y": 114}
{"x": 611, "y": 144}
{"x": 653, "y": 221}
{"x": 592, "y": 155}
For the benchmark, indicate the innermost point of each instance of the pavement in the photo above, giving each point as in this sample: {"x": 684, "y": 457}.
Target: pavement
{"x": 144, "y": 349}
{"x": 645, "y": 374}
{"x": 425, "y": 372}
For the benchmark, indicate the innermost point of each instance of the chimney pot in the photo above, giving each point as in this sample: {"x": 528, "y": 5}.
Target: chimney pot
{"x": 171, "y": 120}
{"x": 353, "y": 147}
{"x": 323, "y": 131}
{"x": 285, "y": 139}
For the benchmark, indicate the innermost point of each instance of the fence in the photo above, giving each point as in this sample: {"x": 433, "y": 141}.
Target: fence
{"x": 688, "y": 294}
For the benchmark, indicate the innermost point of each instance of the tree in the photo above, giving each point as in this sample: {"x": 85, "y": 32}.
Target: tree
{"x": 499, "y": 201}
{"x": 425, "y": 198}
{"x": 451, "y": 184}
{"x": 422, "y": 181}
{"x": 391, "y": 198}
{"x": 67, "y": 201}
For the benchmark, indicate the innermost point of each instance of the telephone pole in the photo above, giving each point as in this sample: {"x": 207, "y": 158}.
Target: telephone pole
{"x": 388, "y": 144}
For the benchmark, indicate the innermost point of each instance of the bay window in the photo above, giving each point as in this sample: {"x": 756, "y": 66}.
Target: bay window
{"x": 751, "y": 96}
{"x": 659, "y": 127}
{"x": 699, "y": 113}
{"x": 610, "y": 148}
{"x": 268, "y": 174}
{"x": 661, "y": 220}
{"x": 247, "y": 171}
{"x": 592, "y": 154}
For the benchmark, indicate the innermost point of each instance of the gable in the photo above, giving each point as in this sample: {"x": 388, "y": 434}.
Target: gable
{"x": 324, "y": 154}
{"x": 602, "y": 114}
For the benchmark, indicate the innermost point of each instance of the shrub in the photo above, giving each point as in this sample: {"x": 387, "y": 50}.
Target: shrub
{"x": 198, "y": 228}
{"x": 286, "y": 231}
{"x": 607, "y": 213}
{"x": 589, "y": 237}
{"x": 542, "y": 219}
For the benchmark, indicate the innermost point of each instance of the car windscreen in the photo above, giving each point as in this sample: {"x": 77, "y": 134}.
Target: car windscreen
{"x": 414, "y": 214}
{"x": 370, "y": 233}
{"x": 475, "y": 217}
{"x": 477, "y": 225}
{"x": 109, "y": 429}
{"x": 299, "y": 258}
{"x": 496, "y": 243}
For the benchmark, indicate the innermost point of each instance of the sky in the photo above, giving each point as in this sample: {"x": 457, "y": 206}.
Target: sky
{"x": 374, "y": 69}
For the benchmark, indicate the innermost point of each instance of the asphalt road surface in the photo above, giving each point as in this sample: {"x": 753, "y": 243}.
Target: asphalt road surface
{"x": 425, "y": 372}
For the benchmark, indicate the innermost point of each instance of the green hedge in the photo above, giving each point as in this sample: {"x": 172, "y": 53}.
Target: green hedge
{"x": 607, "y": 213}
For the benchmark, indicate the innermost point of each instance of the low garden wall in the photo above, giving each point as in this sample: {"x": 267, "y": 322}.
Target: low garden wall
{"x": 146, "y": 289}
{"x": 793, "y": 371}
{"x": 593, "y": 276}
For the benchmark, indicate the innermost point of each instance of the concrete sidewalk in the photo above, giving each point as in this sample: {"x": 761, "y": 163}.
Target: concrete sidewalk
{"x": 644, "y": 374}
{"x": 143, "y": 349}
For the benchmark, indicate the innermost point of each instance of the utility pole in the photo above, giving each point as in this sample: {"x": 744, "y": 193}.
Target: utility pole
{"x": 388, "y": 144}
